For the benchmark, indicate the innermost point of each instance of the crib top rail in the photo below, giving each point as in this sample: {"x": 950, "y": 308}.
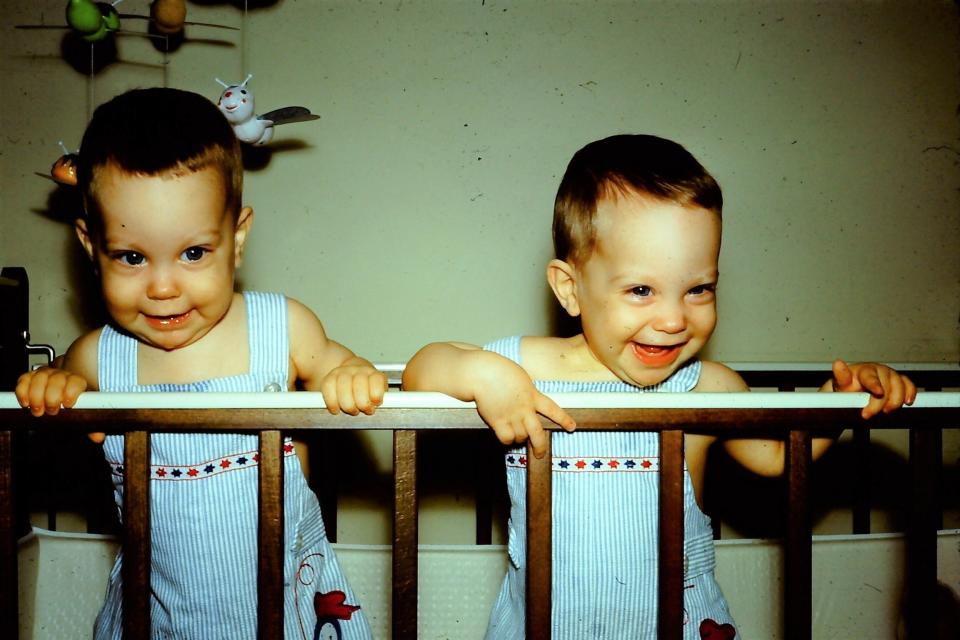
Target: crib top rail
{"x": 793, "y": 375}
{"x": 295, "y": 411}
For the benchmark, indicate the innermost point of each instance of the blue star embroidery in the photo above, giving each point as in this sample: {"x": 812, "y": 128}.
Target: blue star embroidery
{"x": 510, "y": 459}
{"x": 120, "y": 469}
{"x": 242, "y": 460}
{"x": 630, "y": 464}
{"x": 596, "y": 464}
{"x": 563, "y": 464}
{"x": 209, "y": 468}
{"x": 176, "y": 473}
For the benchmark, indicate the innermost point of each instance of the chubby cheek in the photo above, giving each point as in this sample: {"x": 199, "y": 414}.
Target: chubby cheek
{"x": 705, "y": 321}
{"x": 213, "y": 294}
{"x": 120, "y": 299}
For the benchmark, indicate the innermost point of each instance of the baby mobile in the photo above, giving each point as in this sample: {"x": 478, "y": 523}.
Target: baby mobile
{"x": 95, "y": 23}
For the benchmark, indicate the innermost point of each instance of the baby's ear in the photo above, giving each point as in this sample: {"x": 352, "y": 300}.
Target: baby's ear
{"x": 240, "y": 233}
{"x": 82, "y": 229}
{"x": 562, "y": 277}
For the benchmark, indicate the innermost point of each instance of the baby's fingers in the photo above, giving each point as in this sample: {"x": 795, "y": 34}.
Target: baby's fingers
{"x": 328, "y": 387}
{"x": 22, "y": 390}
{"x": 505, "y": 432}
{"x": 74, "y": 387}
{"x": 345, "y": 395}
{"x": 362, "y": 394}
{"x": 31, "y": 391}
{"x": 842, "y": 376}
{"x": 898, "y": 390}
{"x": 374, "y": 387}
{"x": 872, "y": 380}
{"x": 547, "y": 407}
{"x": 536, "y": 434}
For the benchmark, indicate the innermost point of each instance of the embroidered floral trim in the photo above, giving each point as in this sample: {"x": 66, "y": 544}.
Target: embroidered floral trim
{"x": 592, "y": 465}
{"x": 207, "y": 469}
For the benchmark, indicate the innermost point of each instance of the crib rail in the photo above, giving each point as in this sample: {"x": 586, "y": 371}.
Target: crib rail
{"x": 791, "y": 416}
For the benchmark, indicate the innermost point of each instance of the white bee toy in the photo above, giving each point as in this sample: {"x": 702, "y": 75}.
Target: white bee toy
{"x": 236, "y": 103}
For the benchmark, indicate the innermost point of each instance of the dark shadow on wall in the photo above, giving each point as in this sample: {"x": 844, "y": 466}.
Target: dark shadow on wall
{"x": 755, "y": 507}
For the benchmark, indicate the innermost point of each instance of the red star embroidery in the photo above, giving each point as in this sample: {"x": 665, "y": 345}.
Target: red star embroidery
{"x": 192, "y": 472}
{"x": 580, "y": 464}
{"x": 256, "y": 457}
{"x": 287, "y": 448}
{"x": 523, "y": 461}
{"x": 613, "y": 464}
{"x": 161, "y": 472}
{"x": 224, "y": 464}
{"x": 646, "y": 464}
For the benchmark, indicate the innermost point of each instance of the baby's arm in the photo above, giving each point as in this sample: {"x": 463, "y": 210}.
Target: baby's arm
{"x": 48, "y": 389}
{"x": 505, "y": 395}
{"x": 348, "y": 382}
{"x": 889, "y": 391}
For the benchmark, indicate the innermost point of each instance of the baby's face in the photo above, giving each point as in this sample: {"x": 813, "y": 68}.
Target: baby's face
{"x": 168, "y": 254}
{"x": 647, "y": 294}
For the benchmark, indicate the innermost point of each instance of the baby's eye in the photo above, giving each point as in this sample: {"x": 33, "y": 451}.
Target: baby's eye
{"x": 193, "y": 254}
{"x": 641, "y": 291}
{"x": 702, "y": 289}
{"x": 130, "y": 258}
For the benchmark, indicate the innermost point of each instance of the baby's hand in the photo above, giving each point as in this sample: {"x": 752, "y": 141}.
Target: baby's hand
{"x": 46, "y": 390}
{"x": 889, "y": 390}
{"x": 354, "y": 386}
{"x": 510, "y": 405}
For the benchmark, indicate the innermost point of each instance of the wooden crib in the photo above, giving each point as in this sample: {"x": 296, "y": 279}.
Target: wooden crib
{"x": 791, "y": 416}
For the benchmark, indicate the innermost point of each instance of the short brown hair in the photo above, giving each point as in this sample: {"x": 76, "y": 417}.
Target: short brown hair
{"x": 154, "y": 131}
{"x": 618, "y": 165}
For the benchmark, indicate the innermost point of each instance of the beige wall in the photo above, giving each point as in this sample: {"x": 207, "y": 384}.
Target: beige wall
{"x": 418, "y": 207}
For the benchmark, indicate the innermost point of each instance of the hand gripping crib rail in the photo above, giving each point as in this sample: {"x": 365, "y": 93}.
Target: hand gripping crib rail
{"x": 791, "y": 416}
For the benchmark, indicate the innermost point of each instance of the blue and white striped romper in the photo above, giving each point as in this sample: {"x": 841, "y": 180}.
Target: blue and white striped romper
{"x": 203, "y": 497}
{"x": 605, "y": 522}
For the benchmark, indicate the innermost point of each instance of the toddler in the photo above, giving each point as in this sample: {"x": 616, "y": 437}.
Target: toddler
{"x": 161, "y": 178}
{"x": 636, "y": 232}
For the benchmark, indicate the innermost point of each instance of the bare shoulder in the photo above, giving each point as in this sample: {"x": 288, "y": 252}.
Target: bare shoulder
{"x": 719, "y": 377}
{"x": 82, "y": 358}
{"x": 304, "y": 323}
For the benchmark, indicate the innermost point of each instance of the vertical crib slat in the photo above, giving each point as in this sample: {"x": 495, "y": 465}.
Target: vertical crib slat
{"x": 405, "y": 534}
{"x": 862, "y": 480}
{"x": 798, "y": 569}
{"x": 270, "y": 539}
{"x": 327, "y": 470}
{"x": 488, "y": 473}
{"x": 539, "y": 544}
{"x": 9, "y": 571}
{"x": 136, "y": 540}
{"x": 922, "y": 534}
{"x": 670, "y": 580}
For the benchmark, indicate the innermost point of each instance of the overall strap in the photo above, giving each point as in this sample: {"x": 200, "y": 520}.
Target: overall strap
{"x": 267, "y": 333}
{"x": 116, "y": 360}
{"x": 507, "y": 347}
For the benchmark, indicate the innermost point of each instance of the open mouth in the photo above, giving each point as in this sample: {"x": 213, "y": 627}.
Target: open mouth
{"x": 167, "y": 322}
{"x": 656, "y": 355}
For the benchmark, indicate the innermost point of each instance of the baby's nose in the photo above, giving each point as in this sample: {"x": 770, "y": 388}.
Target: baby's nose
{"x": 162, "y": 285}
{"x": 671, "y": 318}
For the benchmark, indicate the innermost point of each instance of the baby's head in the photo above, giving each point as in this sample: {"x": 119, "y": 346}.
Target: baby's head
{"x": 636, "y": 232}
{"x": 161, "y": 175}
{"x": 625, "y": 166}
{"x": 157, "y": 132}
